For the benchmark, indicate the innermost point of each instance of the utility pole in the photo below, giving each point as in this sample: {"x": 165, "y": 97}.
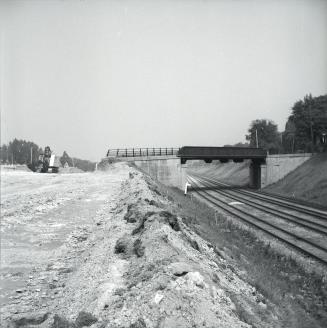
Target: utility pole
{"x": 31, "y": 155}
{"x": 256, "y": 137}
{"x": 311, "y": 130}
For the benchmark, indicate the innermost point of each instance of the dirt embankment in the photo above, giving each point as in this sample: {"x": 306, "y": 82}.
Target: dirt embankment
{"x": 307, "y": 182}
{"x": 139, "y": 265}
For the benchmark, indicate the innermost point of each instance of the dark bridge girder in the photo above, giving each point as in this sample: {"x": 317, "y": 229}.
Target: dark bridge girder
{"x": 224, "y": 154}
{"x": 208, "y": 154}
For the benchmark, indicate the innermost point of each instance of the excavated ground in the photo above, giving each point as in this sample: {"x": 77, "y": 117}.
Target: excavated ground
{"x": 128, "y": 261}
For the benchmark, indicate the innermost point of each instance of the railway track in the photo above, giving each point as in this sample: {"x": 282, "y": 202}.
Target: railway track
{"x": 292, "y": 200}
{"x": 281, "y": 201}
{"x": 311, "y": 222}
{"x": 307, "y": 235}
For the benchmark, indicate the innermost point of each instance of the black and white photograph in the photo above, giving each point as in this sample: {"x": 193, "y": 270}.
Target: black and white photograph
{"x": 163, "y": 163}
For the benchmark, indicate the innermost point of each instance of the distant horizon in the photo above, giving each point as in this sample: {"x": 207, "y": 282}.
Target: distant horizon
{"x": 89, "y": 75}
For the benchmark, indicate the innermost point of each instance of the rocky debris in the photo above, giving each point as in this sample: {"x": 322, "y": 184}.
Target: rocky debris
{"x": 171, "y": 219}
{"x": 152, "y": 202}
{"x": 140, "y": 227}
{"x": 132, "y": 215}
{"x": 195, "y": 278}
{"x": 62, "y": 322}
{"x": 179, "y": 268}
{"x": 140, "y": 323}
{"x": 31, "y": 319}
{"x": 132, "y": 175}
{"x": 85, "y": 319}
{"x": 138, "y": 248}
{"x": 169, "y": 279}
{"x": 121, "y": 245}
{"x": 79, "y": 235}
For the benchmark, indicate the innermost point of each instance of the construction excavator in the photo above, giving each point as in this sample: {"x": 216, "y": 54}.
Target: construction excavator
{"x": 48, "y": 162}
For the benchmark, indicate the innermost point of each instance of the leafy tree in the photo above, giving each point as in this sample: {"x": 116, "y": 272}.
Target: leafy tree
{"x": 241, "y": 144}
{"x": 4, "y": 154}
{"x": 84, "y": 165}
{"x": 264, "y": 133}
{"x": 288, "y": 137}
{"x": 309, "y": 120}
{"x": 19, "y": 152}
{"x": 238, "y": 144}
{"x": 66, "y": 159}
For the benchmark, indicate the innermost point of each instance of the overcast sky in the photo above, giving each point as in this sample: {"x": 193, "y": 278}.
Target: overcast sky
{"x": 83, "y": 76}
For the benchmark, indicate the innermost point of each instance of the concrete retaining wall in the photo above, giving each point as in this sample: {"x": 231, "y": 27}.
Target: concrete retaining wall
{"x": 168, "y": 171}
{"x": 277, "y": 166}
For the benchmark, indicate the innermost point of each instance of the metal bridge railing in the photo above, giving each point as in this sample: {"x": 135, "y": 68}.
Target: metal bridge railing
{"x": 142, "y": 152}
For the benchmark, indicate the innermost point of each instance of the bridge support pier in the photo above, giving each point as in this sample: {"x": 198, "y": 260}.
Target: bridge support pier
{"x": 255, "y": 174}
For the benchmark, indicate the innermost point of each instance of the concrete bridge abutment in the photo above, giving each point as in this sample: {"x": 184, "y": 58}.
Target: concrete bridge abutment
{"x": 278, "y": 166}
{"x": 167, "y": 171}
{"x": 255, "y": 174}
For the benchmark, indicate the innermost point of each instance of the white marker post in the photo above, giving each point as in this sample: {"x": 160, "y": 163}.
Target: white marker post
{"x": 186, "y": 186}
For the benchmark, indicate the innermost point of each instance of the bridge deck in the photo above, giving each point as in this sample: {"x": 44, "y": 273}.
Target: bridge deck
{"x": 192, "y": 153}
{"x": 221, "y": 153}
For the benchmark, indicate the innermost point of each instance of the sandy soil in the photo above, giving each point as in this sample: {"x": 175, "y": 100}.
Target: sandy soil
{"x": 103, "y": 250}
{"x": 43, "y": 215}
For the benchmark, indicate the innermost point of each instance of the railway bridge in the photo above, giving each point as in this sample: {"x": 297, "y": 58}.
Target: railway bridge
{"x": 178, "y": 158}
{"x": 224, "y": 154}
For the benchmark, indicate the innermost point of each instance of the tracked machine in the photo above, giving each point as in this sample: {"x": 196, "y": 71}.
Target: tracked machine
{"x": 47, "y": 162}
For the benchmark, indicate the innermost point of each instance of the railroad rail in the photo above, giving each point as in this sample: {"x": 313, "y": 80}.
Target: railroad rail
{"x": 313, "y": 223}
{"x": 284, "y": 202}
{"x": 293, "y": 200}
{"x": 142, "y": 152}
{"x": 272, "y": 225}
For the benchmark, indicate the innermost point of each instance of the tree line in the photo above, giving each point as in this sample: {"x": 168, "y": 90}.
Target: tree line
{"x": 25, "y": 152}
{"x": 305, "y": 129}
